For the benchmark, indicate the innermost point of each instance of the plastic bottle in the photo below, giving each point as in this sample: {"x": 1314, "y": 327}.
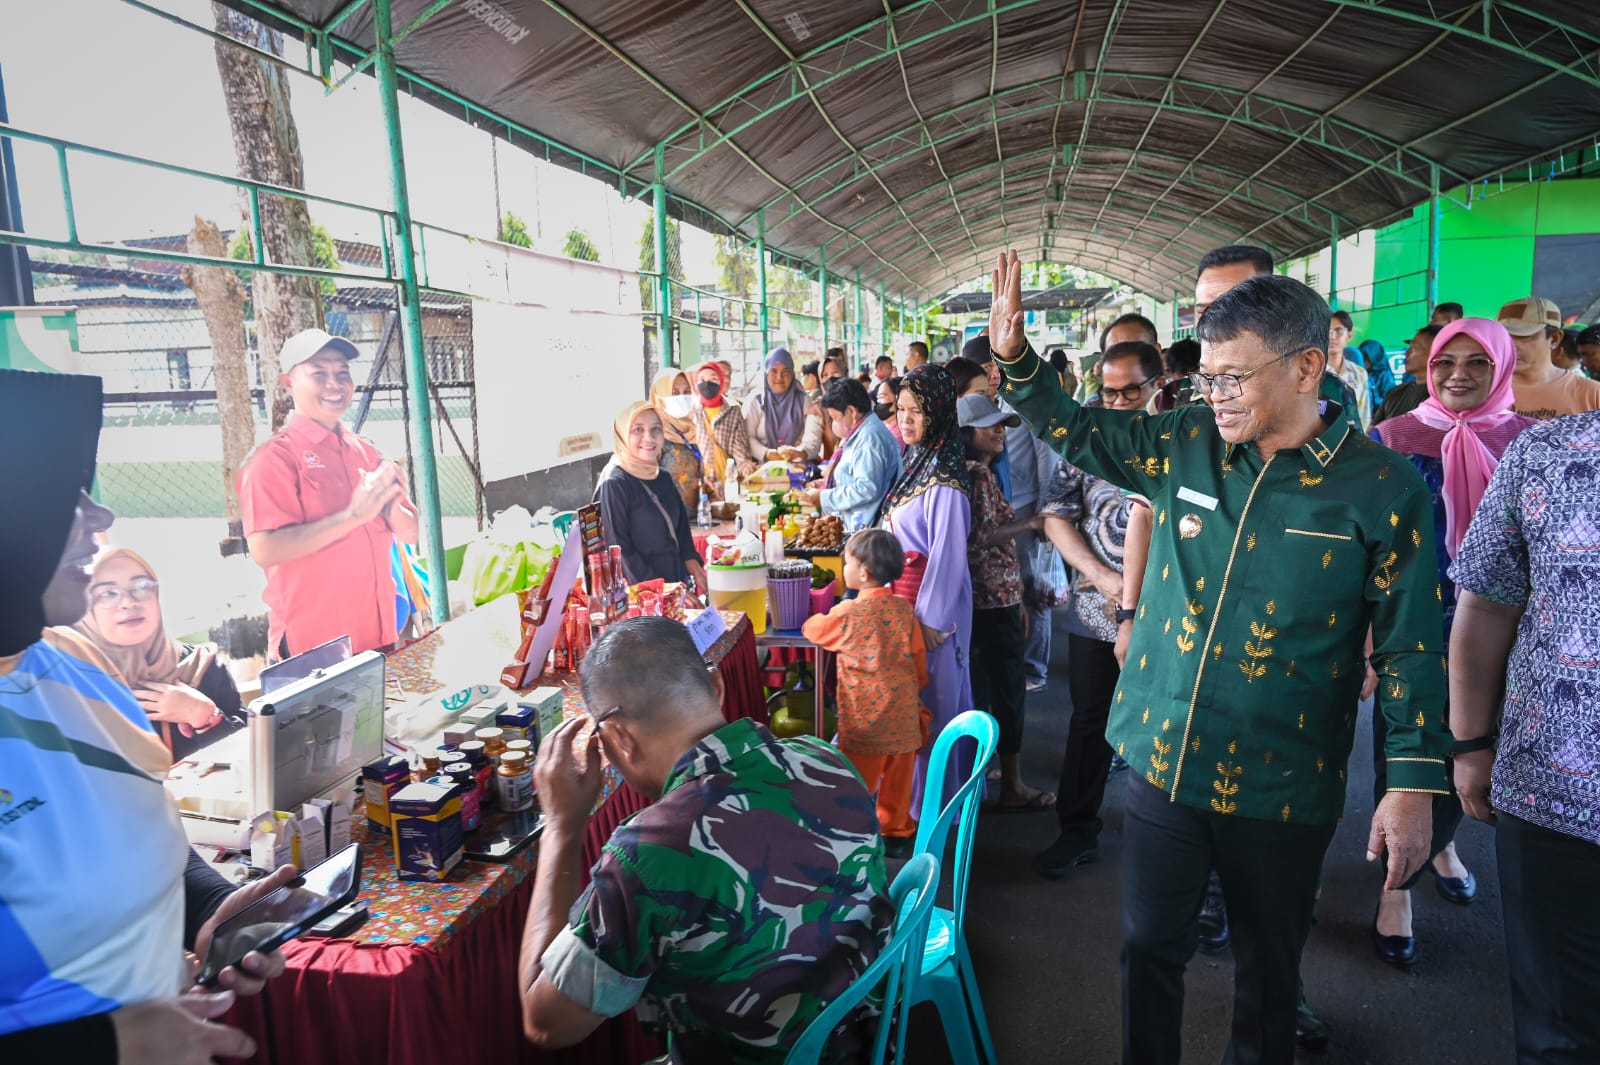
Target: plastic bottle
{"x": 514, "y": 782}
{"x": 730, "y": 487}
{"x": 702, "y": 517}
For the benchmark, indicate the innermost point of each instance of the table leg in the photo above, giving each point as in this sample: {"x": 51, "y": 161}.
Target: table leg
{"x": 821, "y": 690}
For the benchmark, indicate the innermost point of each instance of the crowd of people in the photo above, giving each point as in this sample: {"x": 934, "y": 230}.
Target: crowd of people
{"x": 1261, "y": 531}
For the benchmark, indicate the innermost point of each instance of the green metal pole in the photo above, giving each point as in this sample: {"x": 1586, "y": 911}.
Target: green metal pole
{"x": 411, "y": 321}
{"x": 822, "y": 257}
{"x": 859, "y": 310}
{"x": 1433, "y": 236}
{"x": 658, "y": 196}
{"x": 1333, "y": 267}
{"x": 761, "y": 274}
{"x": 883, "y": 321}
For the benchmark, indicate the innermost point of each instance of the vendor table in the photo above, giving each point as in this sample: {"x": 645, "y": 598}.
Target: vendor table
{"x": 773, "y": 639}
{"x": 431, "y": 977}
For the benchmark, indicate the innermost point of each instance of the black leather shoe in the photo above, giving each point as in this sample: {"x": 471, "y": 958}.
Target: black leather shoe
{"x": 1460, "y": 890}
{"x": 1213, "y": 936}
{"x": 1310, "y": 1034}
{"x": 1399, "y": 951}
{"x": 1068, "y": 852}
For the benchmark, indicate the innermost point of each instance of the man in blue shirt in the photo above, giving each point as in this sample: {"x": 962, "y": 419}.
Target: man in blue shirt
{"x": 866, "y": 464}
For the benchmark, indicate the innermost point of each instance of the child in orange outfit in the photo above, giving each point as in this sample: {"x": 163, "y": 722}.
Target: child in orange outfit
{"x": 883, "y": 665}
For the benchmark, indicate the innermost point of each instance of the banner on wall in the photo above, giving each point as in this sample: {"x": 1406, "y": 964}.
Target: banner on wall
{"x": 551, "y": 378}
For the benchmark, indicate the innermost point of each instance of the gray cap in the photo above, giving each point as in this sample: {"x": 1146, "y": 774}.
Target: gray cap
{"x": 978, "y": 411}
{"x": 311, "y": 342}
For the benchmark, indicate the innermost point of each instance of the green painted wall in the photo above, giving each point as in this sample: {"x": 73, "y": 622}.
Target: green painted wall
{"x": 1486, "y": 255}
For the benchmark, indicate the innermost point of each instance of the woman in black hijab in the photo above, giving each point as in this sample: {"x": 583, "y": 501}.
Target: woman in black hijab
{"x": 88, "y": 974}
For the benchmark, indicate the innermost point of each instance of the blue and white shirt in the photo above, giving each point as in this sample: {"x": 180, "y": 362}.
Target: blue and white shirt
{"x": 867, "y": 466}
{"x": 91, "y": 851}
{"x": 1535, "y": 543}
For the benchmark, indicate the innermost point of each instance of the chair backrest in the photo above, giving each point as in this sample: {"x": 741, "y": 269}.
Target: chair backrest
{"x": 912, "y": 894}
{"x": 933, "y": 833}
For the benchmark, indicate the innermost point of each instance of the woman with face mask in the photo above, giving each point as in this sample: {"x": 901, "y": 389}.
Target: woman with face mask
{"x": 776, "y": 417}
{"x": 644, "y": 514}
{"x": 883, "y": 406}
{"x": 719, "y": 429}
{"x": 673, "y": 399}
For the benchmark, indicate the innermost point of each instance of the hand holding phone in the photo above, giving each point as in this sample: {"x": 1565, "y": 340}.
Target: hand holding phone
{"x": 282, "y": 914}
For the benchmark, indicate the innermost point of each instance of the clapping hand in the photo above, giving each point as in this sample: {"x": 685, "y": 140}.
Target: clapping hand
{"x": 378, "y": 488}
{"x": 1006, "y": 336}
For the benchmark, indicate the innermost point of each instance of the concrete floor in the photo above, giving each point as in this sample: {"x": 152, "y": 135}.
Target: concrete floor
{"x": 1046, "y": 952}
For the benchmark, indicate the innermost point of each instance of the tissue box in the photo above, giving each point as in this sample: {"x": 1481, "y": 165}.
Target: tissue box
{"x": 428, "y": 840}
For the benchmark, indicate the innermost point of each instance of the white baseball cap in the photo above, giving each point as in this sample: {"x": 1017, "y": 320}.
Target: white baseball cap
{"x": 309, "y": 343}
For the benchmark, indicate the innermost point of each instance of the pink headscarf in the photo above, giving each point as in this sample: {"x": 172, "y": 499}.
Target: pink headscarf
{"x": 1468, "y": 460}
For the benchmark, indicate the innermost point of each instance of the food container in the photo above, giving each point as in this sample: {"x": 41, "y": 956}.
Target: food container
{"x": 822, "y": 599}
{"x": 741, "y": 588}
{"x": 789, "y": 594}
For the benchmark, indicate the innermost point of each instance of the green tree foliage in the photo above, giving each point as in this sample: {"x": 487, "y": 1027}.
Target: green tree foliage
{"x": 738, "y": 266}
{"x": 324, "y": 254}
{"x": 514, "y": 230}
{"x": 580, "y": 245}
{"x": 647, "y": 259}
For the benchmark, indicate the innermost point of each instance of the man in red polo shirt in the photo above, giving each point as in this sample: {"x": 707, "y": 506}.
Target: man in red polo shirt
{"x": 322, "y": 509}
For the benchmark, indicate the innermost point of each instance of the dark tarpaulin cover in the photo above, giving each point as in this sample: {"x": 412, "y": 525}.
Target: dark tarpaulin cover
{"x": 1127, "y": 138}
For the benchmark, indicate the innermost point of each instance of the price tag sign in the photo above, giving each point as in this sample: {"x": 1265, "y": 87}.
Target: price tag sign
{"x": 706, "y": 627}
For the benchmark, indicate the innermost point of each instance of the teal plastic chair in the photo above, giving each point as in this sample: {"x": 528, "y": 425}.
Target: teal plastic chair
{"x": 912, "y": 894}
{"x": 945, "y": 976}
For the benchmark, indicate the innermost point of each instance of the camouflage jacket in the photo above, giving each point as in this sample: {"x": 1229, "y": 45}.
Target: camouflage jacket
{"x": 738, "y": 905}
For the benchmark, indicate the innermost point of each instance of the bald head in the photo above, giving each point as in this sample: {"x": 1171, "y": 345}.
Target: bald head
{"x": 649, "y": 667}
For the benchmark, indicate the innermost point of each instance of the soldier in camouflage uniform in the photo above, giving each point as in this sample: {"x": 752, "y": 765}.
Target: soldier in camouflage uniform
{"x": 732, "y": 910}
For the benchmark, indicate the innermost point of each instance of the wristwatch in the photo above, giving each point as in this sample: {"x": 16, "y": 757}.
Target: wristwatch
{"x": 1481, "y": 743}
{"x": 1126, "y": 614}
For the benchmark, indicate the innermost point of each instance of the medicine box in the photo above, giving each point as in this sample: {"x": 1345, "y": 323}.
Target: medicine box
{"x": 546, "y": 703}
{"x": 428, "y": 838}
{"x": 379, "y": 781}
{"x": 520, "y": 722}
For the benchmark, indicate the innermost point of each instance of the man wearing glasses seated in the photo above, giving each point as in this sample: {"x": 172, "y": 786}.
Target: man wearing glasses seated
{"x": 1282, "y": 538}
{"x": 730, "y": 912}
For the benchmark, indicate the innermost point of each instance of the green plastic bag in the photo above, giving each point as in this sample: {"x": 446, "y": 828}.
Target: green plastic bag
{"x": 493, "y": 569}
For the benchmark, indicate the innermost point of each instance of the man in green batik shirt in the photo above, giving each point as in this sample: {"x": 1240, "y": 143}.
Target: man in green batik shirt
{"x": 1281, "y": 537}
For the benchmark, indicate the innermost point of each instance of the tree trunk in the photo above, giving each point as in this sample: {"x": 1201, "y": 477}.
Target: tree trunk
{"x": 266, "y": 147}
{"x": 221, "y": 298}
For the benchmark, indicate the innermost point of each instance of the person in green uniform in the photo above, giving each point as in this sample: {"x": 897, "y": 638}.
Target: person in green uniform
{"x": 1281, "y": 538}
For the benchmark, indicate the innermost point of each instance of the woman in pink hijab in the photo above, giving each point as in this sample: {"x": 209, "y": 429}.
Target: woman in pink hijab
{"x": 1455, "y": 438}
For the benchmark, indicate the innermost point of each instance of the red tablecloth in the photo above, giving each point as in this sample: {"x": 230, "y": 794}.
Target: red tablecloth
{"x": 432, "y": 978}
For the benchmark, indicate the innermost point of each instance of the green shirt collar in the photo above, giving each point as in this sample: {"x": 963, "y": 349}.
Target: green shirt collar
{"x": 717, "y": 752}
{"x": 1321, "y": 448}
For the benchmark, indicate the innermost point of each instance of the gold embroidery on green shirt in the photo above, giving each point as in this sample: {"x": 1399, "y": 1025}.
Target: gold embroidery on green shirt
{"x": 1308, "y": 481}
{"x": 1226, "y": 785}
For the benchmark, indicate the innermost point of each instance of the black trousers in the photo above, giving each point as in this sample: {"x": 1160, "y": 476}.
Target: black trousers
{"x": 1092, "y": 672}
{"x": 1269, "y": 874}
{"x": 1547, "y": 895}
{"x": 1447, "y": 812}
{"x": 998, "y": 683}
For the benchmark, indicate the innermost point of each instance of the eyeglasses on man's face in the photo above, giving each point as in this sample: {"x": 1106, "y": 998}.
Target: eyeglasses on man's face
{"x": 1230, "y": 385}
{"x": 1130, "y": 394}
{"x": 137, "y": 591}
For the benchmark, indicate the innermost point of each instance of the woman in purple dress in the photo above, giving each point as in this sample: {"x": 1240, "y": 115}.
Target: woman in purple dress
{"x": 929, "y": 509}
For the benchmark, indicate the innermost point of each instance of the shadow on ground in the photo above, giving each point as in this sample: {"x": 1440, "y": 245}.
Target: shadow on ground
{"x": 1046, "y": 952}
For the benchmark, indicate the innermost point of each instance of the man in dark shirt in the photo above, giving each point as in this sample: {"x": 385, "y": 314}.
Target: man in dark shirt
{"x": 730, "y": 912}
{"x": 1408, "y": 395}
